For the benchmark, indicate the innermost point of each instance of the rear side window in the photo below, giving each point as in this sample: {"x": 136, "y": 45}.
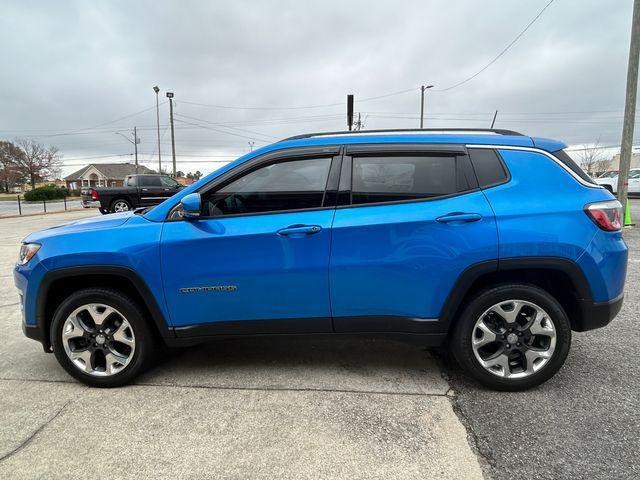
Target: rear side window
{"x": 573, "y": 166}
{"x": 488, "y": 167}
{"x": 395, "y": 178}
{"x": 149, "y": 181}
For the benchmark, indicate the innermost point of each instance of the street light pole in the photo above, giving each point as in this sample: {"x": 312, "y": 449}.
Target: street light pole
{"x": 422, "y": 89}
{"x": 173, "y": 138}
{"x": 157, "y": 90}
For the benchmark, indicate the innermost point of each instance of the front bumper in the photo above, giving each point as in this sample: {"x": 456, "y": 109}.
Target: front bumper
{"x": 597, "y": 314}
{"x": 26, "y": 279}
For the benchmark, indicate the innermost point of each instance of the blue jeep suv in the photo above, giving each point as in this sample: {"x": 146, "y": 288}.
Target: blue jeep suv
{"x": 492, "y": 242}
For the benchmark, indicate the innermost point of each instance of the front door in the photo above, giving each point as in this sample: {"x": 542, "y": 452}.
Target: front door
{"x": 257, "y": 259}
{"x": 152, "y": 191}
{"x": 411, "y": 224}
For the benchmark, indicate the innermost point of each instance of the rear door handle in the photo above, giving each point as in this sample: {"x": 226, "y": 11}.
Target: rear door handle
{"x": 459, "y": 217}
{"x": 299, "y": 230}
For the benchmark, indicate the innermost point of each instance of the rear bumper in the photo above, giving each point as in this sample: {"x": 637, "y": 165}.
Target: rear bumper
{"x": 597, "y": 314}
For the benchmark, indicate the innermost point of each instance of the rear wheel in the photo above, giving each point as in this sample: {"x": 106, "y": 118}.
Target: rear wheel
{"x": 100, "y": 337}
{"x": 120, "y": 205}
{"x": 512, "y": 337}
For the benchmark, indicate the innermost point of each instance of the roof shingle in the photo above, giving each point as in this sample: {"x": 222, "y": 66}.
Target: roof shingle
{"x": 113, "y": 171}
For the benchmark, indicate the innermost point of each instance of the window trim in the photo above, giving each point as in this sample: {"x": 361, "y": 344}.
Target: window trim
{"x": 332, "y": 152}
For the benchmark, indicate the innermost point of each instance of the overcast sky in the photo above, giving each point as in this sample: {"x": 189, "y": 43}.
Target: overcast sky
{"x": 74, "y": 73}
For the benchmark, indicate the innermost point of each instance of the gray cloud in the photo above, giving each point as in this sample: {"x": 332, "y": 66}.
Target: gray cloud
{"x": 78, "y": 65}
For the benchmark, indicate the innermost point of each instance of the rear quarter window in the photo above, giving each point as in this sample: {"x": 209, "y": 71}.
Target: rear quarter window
{"x": 489, "y": 167}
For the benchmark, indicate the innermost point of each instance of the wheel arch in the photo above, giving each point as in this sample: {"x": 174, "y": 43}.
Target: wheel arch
{"x": 560, "y": 277}
{"x": 59, "y": 284}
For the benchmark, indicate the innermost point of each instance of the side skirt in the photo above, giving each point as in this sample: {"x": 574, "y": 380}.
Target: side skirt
{"x": 426, "y": 332}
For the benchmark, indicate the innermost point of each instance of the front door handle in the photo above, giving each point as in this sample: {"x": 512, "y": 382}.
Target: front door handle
{"x": 459, "y": 217}
{"x": 299, "y": 230}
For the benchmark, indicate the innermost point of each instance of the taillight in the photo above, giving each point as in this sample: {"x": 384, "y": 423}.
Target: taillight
{"x": 605, "y": 214}
{"x": 94, "y": 195}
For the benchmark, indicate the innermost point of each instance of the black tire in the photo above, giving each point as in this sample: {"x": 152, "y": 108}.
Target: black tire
{"x": 461, "y": 338}
{"x": 608, "y": 187}
{"x": 117, "y": 201}
{"x": 103, "y": 210}
{"x": 144, "y": 344}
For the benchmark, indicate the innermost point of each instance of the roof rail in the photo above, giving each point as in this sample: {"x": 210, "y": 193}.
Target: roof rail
{"x": 494, "y": 131}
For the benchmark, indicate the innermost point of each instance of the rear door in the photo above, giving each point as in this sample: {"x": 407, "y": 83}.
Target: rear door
{"x": 410, "y": 220}
{"x": 151, "y": 189}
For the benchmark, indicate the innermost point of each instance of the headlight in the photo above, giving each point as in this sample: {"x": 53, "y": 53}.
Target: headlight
{"x": 27, "y": 251}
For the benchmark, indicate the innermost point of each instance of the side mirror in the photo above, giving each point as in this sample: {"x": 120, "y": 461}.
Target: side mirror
{"x": 191, "y": 205}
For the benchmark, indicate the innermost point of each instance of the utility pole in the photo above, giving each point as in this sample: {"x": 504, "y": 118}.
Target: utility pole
{"x": 251, "y": 144}
{"x": 135, "y": 143}
{"x": 493, "y": 122}
{"x": 135, "y": 146}
{"x": 173, "y": 138}
{"x": 629, "y": 109}
{"x": 422, "y": 89}
{"x": 359, "y": 124}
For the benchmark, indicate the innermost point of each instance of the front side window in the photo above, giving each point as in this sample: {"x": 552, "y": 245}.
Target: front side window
{"x": 387, "y": 179}
{"x": 288, "y": 185}
{"x": 168, "y": 182}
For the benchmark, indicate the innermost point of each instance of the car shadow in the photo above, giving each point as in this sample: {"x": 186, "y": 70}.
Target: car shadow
{"x": 302, "y": 363}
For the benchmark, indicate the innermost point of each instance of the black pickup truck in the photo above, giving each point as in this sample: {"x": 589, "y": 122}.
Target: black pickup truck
{"x": 137, "y": 191}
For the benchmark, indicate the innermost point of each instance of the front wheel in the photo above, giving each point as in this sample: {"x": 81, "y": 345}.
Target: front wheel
{"x": 100, "y": 337}
{"x": 512, "y": 337}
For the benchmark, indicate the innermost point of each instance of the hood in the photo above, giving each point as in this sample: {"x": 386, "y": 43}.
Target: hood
{"x": 91, "y": 223}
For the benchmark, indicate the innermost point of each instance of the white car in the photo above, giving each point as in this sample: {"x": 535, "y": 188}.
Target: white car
{"x": 609, "y": 180}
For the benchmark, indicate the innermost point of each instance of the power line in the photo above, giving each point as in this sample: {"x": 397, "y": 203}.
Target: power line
{"x": 504, "y": 50}
{"x": 226, "y": 126}
{"x": 302, "y": 107}
{"x": 214, "y": 129}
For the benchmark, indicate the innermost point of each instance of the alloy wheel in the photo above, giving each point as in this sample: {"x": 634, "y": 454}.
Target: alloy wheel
{"x": 120, "y": 206}
{"x": 514, "y": 339}
{"x": 98, "y": 339}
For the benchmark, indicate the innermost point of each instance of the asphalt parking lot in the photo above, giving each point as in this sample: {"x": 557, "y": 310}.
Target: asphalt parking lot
{"x": 317, "y": 408}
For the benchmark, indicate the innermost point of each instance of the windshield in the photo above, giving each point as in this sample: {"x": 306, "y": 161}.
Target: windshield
{"x": 609, "y": 174}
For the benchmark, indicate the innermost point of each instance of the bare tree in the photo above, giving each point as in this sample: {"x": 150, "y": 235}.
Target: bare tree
{"x": 38, "y": 162}
{"x": 10, "y": 173}
{"x": 593, "y": 159}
